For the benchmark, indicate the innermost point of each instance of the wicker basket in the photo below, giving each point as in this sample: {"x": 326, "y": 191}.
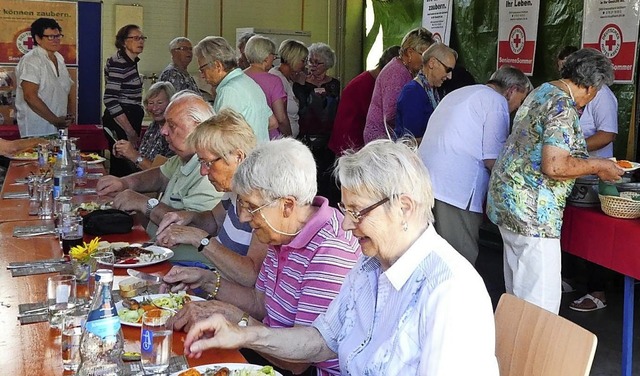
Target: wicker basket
{"x": 621, "y": 207}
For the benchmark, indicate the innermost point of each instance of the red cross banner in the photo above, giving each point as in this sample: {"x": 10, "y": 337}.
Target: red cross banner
{"x": 436, "y": 17}
{"x": 16, "y": 17}
{"x": 611, "y": 26}
{"x": 517, "y": 33}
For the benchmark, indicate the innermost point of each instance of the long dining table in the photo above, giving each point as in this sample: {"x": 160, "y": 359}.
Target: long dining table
{"x": 34, "y": 349}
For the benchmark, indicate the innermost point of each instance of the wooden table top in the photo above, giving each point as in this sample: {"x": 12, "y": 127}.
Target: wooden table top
{"x": 34, "y": 349}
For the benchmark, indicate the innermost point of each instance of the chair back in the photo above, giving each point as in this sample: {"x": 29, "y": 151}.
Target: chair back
{"x": 531, "y": 341}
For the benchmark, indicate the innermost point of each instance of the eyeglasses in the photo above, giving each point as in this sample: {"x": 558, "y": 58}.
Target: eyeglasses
{"x": 183, "y": 48}
{"x": 208, "y": 164}
{"x": 241, "y": 205}
{"x": 53, "y": 36}
{"x": 315, "y": 62}
{"x": 447, "y": 68}
{"x": 356, "y": 216}
{"x": 137, "y": 38}
{"x": 203, "y": 66}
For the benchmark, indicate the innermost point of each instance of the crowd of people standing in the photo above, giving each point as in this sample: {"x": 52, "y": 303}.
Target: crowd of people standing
{"x": 328, "y": 228}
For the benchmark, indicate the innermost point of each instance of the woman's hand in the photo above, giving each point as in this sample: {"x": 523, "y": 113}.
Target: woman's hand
{"x": 183, "y": 217}
{"x": 213, "y": 332}
{"x": 193, "y": 312}
{"x": 182, "y": 278}
{"x": 125, "y": 149}
{"x": 177, "y": 234}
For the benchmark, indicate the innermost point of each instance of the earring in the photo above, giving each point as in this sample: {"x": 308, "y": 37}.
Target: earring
{"x": 405, "y": 226}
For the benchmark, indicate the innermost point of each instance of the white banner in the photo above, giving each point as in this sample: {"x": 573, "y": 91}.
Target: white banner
{"x": 517, "y": 33}
{"x": 611, "y": 26}
{"x": 436, "y": 17}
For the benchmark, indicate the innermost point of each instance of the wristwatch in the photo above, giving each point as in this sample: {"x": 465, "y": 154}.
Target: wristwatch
{"x": 139, "y": 160}
{"x": 204, "y": 242}
{"x": 244, "y": 321}
{"x": 151, "y": 203}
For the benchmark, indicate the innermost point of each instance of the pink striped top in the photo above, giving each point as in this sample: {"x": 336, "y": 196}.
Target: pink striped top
{"x": 301, "y": 278}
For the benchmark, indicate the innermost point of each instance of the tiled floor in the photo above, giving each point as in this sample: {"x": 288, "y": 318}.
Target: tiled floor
{"x": 605, "y": 323}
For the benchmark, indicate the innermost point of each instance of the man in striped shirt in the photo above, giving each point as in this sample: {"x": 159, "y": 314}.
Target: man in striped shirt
{"x": 308, "y": 258}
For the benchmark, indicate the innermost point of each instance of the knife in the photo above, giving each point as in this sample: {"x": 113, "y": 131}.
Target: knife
{"x": 43, "y": 263}
{"x": 110, "y": 133}
{"x": 145, "y": 276}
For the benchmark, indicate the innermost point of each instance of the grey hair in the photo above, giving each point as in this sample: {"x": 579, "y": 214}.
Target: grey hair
{"x": 588, "y": 67}
{"x": 199, "y": 110}
{"x": 292, "y": 52}
{"x": 385, "y": 168}
{"x": 212, "y": 49}
{"x": 439, "y": 51}
{"x": 276, "y": 169}
{"x": 259, "y": 48}
{"x": 419, "y": 39}
{"x": 174, "y": 43}
{"x": 242, "y": 41}
{"x": 507, "y": 77}
{"x": 326, "y": 54}
{"x": 387, "y": 56}
{"x": 156, "y": 88}
{"x": 223, "y": 134}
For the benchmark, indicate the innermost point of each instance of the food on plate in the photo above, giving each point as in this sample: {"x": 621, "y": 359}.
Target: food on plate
{"x": 129, "y": 286}
{"x": 624, "y": 164}
{"x": 224, "y": 371}
{"x": 91, "y": 206}
{"x": 27, "y": 154}
{"x": 90, "y": 157}
{"x": 133, "y": 255}
{"x": 135, "y": 308}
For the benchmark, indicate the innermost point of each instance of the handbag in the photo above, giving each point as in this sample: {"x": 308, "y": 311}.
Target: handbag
{"x": 108, "y": 221}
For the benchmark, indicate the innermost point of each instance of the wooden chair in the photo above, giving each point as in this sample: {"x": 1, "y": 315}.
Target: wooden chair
{"x": 531, "y": 341}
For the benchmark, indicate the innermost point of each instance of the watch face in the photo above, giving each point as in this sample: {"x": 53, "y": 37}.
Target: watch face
{"x": 153, "y": 202}
{"x": 204, "y": 242}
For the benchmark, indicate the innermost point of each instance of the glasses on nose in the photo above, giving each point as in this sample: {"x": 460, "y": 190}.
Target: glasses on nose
{"x": 356, "y": 216}
{"x": 53, "y": 36}
{"x": 184, "y": 48}
{"x": 447, "y": 68}
{"x": 241, "y": 205}
{"x": 203, "y": 67}
{"x": 315, "y": 62}
{"x": 208, "y": 164}
{"x": 138, "y": 38}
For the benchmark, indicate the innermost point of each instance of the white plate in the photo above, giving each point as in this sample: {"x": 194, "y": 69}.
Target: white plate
{"x": 96, "y": 161}
{"x": 634, "y": 166}
{"x": 18, "y": 157}
{"x": 231, "y": 366}
{"x": 165, "y": 254}
{"x": 119, "y": 306}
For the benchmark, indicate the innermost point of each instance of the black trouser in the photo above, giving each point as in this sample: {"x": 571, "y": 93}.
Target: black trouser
{"x": 325, "y": 160}
{"x": 135, "y": 114}
{"x": 253, "y": 357}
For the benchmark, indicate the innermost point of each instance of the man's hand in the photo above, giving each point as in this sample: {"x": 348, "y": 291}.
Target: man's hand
{"x": 193, "y": 312}
{"x": 177, "y": 234}
{"x": 183, "y": 217}
{"x": 109, "y": 185}
{"x": 214, "y": 332}
{"x": 182, "y": 278}
{"x": 129, "y": 200}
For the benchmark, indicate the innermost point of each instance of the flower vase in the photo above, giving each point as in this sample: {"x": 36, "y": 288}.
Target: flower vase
{"x": 81, "y": 270}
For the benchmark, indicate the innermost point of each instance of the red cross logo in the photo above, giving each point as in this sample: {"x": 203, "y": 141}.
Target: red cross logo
{"x": 517, "y": 39}
{"x": 29, "y": 43}
{"x": 610, "y": 40}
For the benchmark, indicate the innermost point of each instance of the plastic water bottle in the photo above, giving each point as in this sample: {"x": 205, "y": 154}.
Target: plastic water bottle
{"x": 63, "y": 169}
{"x": 102, "y": 343}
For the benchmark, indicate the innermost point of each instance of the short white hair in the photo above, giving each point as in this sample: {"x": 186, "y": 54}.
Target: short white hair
{"x": 258, "y": 48}
{"x": 385, "y": 168}
{"x": 324, "y": 52}
{"x": 197, "y": 109}
{"x": 277, "y": 169}
{"x": 174, "y": 43}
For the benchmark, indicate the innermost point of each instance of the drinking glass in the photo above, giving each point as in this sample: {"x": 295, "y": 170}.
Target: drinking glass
{"x": 71, "y": 232}
{"x": 155, "y": 341}
{"x": 99, "y": 260}
{"x": 72, "y": 325}
{"x": 46, "y": 200}
{"x": 61, "y": 297}
{"x": 81, "y": 173}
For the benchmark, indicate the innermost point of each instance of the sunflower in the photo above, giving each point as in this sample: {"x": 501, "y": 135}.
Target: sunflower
{"x": 83, "y": 252}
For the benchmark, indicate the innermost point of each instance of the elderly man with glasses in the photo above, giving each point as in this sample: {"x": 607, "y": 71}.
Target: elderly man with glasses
{"x": 176, "y": 72}
{"x": 44, "y": 86}
{"x": 179, "y": 177}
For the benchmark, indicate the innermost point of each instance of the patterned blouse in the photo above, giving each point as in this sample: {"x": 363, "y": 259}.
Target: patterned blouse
{"x": 521, "y": 198}
{"x": 179, "y": 79}
{"x": 153, "y": 143}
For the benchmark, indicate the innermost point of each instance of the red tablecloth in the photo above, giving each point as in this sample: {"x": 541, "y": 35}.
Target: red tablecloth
{"x": 611, "y": 242}
{"x": 90, "y": 136}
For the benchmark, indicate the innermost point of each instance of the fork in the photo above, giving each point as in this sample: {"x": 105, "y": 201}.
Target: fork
{"x": 148, "y": 298}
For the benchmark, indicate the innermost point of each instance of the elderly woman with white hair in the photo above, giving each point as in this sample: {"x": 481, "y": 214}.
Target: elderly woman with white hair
{"x": 218, "y": 65}
{"x": 176, "y": 72}
{"x": 293, "y": 57}
{"x": 153, "y": 144}
{"x": 308, "y": 257}
{"x": 261, "y": 52}
{"x": 411, "y": 305}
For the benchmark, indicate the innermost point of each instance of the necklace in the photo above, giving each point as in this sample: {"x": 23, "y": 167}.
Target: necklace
{"x": 568, "y": 87}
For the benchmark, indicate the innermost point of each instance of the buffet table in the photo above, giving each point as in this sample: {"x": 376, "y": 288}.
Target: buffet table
{"x": 613, "y": 243}
{"x": 34, "y": 349}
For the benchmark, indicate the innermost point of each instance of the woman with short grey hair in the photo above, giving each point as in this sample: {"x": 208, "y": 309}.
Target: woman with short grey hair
{"x": 293, "y": 57}
{"x": 261, "y": 52}
{"x": 217, "y": 62}
{"x": 308, "y": 256}
{"x": 404, "y": 307}
{"x": 535, "y": 173}
{"x": 153, "y": 144}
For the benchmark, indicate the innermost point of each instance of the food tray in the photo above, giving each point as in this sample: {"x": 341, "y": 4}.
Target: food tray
{"x": 621, "y": 207}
